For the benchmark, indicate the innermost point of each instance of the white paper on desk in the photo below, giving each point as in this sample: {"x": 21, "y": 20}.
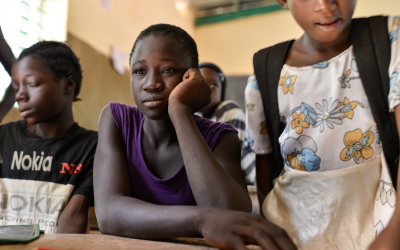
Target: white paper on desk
{"x": 118, "y": 58}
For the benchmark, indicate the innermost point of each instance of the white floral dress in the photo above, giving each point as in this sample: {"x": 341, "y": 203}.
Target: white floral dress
{"x": 329, "y": 123}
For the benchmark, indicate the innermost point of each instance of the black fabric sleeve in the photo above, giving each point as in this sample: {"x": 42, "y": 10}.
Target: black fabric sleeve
{"x": 85, "y": 183}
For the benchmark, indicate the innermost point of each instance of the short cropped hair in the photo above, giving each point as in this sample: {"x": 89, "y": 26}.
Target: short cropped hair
{"x": 59, "y": 59}
{"x": 174, "y": 32}
{"x": 221, "y": 76}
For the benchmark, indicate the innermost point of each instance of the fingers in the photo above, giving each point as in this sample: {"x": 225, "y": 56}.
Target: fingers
{"x": 190, "y": 73}
{"x": 269, "y": 238}
{"x": 236, "y": 243}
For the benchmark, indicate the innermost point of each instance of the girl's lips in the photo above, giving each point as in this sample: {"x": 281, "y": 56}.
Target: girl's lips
{"x": 25, "y": 113}
{"x": 154, "y": 104}
{"x": 328, "y": 26}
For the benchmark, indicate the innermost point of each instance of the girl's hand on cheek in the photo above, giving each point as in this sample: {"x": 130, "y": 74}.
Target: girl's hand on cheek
{"x": 192, "y": 93}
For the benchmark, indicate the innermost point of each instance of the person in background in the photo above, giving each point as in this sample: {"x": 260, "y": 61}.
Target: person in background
{"x": 46, "y": 159}
{"x": 229, "y": 112}
{"x": 7, "y": 59}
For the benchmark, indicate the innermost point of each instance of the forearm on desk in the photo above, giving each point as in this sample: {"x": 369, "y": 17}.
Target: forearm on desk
{"x": 130, "y": 217}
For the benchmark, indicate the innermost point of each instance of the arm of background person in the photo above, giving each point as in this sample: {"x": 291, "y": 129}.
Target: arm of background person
{"x": 264, "y": 176}
{"x": 120, "y": 214}
{"x": 74, "y": 217}
{"x": 7, "y": 59}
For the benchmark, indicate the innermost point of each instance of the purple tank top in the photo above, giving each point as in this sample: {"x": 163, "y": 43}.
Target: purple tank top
{"x": 144, "y": 185}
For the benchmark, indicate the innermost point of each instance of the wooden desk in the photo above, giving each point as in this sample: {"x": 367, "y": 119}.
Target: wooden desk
{"x": 102, "y": 241}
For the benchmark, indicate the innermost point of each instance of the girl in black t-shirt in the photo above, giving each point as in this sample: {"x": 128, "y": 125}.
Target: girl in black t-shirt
{"x": 47, "y": 150}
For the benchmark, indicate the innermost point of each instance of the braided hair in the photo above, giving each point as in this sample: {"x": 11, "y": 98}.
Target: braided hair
{"x": 59, "y": 59}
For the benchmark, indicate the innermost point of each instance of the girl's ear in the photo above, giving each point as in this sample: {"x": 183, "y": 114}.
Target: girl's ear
{"x": 69, "y": 85}
{"x": 283, "y": 3}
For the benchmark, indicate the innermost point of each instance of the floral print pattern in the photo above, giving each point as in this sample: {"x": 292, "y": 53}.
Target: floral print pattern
{"x": 357, "y": 146}
{"x": 264, "y": 129}
{"x": 330, "y": 113}
{"x": 299, "y": 122}
{"x": 394, "y": 29}
{"x": 347, "y": 108}
{"x": 300, "y": 153}
{"x": 345, "y": 79}
{"x": 394, "y": 93}
{"x": 287, "y": 82}
{"x": 321, "y": 65}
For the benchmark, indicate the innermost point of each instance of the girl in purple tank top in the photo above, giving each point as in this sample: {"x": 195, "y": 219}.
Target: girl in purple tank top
{"x": 162, "y": 172}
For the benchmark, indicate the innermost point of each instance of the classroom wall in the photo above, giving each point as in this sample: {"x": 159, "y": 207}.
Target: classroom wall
{"x": 122, "y": 22}
{"x": 231, "y": 44}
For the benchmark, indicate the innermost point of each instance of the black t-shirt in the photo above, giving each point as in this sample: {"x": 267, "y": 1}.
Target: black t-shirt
{"x": 38, "y": 176}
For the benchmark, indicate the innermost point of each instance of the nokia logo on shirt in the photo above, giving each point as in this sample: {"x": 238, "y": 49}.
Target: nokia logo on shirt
{"x": 36, "y": 162}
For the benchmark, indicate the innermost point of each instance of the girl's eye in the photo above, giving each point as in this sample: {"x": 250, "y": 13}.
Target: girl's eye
{"x": 139, "y": 71}
{"x": 168, "y": 71}
{"x": 213, "y": 86}
{"x": 34, "y": 84}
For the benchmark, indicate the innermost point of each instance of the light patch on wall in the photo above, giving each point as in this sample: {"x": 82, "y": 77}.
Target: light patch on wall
{"x": 118, "y": 58}
{"x": 105, "y": 4}
{"x": 182, "y": 6}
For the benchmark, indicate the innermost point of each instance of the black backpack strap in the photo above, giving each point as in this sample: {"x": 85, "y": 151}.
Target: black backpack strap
{"x": 371, "y": 48}
{"x": 268, "y": 65}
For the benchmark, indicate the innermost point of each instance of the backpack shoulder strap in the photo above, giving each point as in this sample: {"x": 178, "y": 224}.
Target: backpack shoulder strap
{"x": 372, "y": 52}
{"x": 268, "y": 65}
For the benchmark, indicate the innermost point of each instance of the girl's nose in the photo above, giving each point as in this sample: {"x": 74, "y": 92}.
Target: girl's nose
{"x": 324, "y": 5}
{"x": 153, "y": 84}
{"x": 21, "y": 94}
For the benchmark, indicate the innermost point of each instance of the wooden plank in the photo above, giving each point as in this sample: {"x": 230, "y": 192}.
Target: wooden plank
{"x": 101, "y": 241}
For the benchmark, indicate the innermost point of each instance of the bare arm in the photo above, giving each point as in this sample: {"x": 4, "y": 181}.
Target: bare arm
{"x": 6, "y": 56}
{"x": 7, "y": 59}
{"x": 264, "y": 176}
{"x": 74, "y": 218}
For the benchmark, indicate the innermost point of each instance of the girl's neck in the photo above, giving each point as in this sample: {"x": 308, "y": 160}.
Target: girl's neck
{"x": 159, "y": 132}
{"x": 56, "y": 126}
{"x": 307, "y": 51}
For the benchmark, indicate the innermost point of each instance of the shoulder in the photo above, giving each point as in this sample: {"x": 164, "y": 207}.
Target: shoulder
{"x": 252, "y": 82}
{"x": 11, "y": 127}
{"x": 393, "y": 27}
{"x": 116, "y": 107}
{"x": 227, "y": 106}
{"x": 87, "y": 134}
{"x": 212, "y": 132}
{"x": 124, "y": 113}
{"x": 209, "y": 127}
